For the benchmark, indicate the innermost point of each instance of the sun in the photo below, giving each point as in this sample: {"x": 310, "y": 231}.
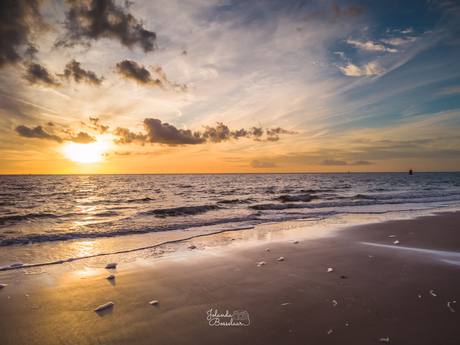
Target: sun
{"x": 84, "y": 153}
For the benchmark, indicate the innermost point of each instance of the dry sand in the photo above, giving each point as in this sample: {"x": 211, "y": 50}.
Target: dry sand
{"x": 294, "y": 301}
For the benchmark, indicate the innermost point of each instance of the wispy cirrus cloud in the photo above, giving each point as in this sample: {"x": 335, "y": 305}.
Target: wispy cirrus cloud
{"x": 369, "y": 45}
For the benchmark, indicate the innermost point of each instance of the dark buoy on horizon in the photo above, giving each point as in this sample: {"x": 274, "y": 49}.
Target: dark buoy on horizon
{"x": 410, "y": 172}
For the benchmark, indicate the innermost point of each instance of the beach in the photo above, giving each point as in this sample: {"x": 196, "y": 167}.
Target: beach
{"x": 376, "y": 291}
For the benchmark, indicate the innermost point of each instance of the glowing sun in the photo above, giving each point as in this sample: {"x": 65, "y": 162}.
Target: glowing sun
{"x": 84, "y": 153}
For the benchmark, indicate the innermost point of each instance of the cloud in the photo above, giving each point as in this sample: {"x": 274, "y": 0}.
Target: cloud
{"x": 164, "y": 133}
{"x": 101, "y": 128}
{"x": 346, "y": 14}
{"x": 399, "y": 41}
{"x": 258, "y": 164}
{"x": 449, "y": 90}
{"x": 361, "y": 162}
{"x": 50, "y": 124}
{"x": 127, "y": 137}
{"x": 19, "y": 21}
{"x": 36, "y": 74}
{"x": 39, "y": 133}
{"x": 88, "y": 20}
{"x": 370, "y": 46}
{"x": 222, "y": 133}
{"x": 161, "y": 133}
{"x": 130, "y": 70}
{"x": 74, "y": 71}
{"x": 366, "y": 70}
{"x": 333, "y": 162}
{"x": 82, "y": 138}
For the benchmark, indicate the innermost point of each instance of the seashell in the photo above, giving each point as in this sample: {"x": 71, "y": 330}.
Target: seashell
{"x": 334, "y": 303}
{"x": 3, "y": 285}
{"x": 154, "y": 302}
{"x": 432, "y": 293}
{"x": 280, "y": 259}
{"x": 268, "y": 249}
{"x": 192, "y": 247}
{"x": 384, "y": 340}
{"x": 392, "y": 236}
{"x": 261, "y": 263}
{"x": 329, "y": 332}
{"x": 448, "y": 305}
{"x": 110, "y": 277}
{"x": 295, "y": 242}
{"x": 112, "y": 265}
{"x": 104, "y": 306}
{"x": 396, "y": 242}
{"x": 285, "y": 304}
{"x": 329, "y": 270}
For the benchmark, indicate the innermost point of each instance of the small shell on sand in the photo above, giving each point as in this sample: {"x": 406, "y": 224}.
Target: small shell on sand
{"x": 295, "y": 242}
{"x": 432, "y": 293}
{"x": 334, "y": 303}
{"x": 285, "y": 304}
{"x": 392, "y": 236}
{"x": 280, "y": 259}
{"x": 192, "y": 247}
{"x": 329, "y": 332}
{"x": 448, "y": 305}
{"x": 110, "y": 277}
{"x": 112, "y": 265}
{"x": 268, "y": 249}
{"x": 329, "y": 270}
{"x": 385, "y": 340}
{"x": 3, "y": 285}
{"x": 104, "y": 306}
{"x": 261, "y": 263}
{"x": 396, "y": 242}
{"x": 154, "y": 302}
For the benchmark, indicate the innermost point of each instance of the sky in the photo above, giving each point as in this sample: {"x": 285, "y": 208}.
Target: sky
{"x": 224, "y": 86}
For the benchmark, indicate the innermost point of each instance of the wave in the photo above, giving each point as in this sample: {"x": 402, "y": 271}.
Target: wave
{"x": 146, "y": 199}
{"x": 180, "y": 211}
{"x": 262, "y": 207}
{"x": 235, "y": 201}
{"x": 293, "y": 198}
{"x": 30, "y": 216}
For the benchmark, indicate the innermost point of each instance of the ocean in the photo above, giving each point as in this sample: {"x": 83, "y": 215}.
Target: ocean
{"x": 41, "y": 214}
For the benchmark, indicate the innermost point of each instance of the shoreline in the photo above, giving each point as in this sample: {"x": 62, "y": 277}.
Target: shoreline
{"x": 290, "y": 300}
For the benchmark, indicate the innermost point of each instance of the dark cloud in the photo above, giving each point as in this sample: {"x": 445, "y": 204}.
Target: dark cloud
{"x": 361, "y": 162}
{"x": 258, "y": 164}
{"x": 36, "y": 74}
{"x": 166, "y": 134}
{"x": 31, "y": 50}
{"x": 128, "y": 137}
{"x": 88, "y": 20}
{"x": 19, "y": 20}
{"x": 37, "y": 133}
{"x": 272, "y": 134}
{"x": 82, "y": 138}
{"x": 346, "y": 14}
{"x": 222, "y": 133}
{"x": 333, "y": 162}
{"x": 131, "y": 70}
{"x": 50, "y": 124}
{"x": 97, "y": 126}
{"x": 74, "y": 71}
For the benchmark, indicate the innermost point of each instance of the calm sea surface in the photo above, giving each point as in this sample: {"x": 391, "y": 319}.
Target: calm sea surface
{"x": 49, "y": 208}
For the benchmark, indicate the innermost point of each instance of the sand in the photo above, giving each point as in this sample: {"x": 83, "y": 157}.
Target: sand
{"x": 377, "y": 290}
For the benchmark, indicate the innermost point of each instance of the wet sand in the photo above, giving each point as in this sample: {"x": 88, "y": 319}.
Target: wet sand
{"x": 290, "y": 301}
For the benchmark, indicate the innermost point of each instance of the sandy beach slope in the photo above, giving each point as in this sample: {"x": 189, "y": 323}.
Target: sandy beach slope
{"x": 377, "y": 289}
